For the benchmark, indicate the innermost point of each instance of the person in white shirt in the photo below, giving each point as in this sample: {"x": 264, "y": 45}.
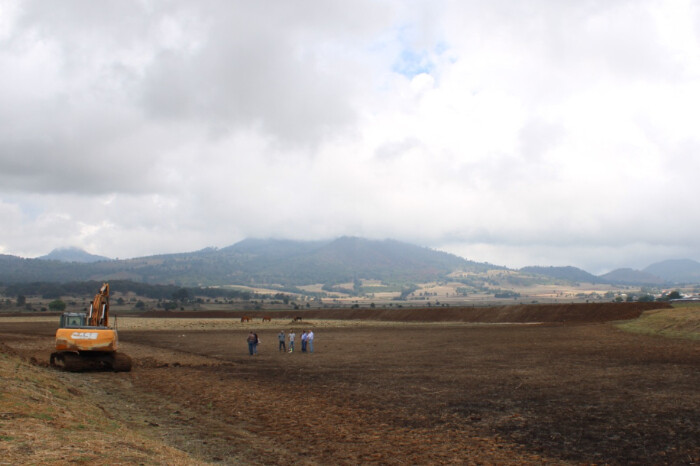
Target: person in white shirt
{"x": 292, "y": 336}
{"x": 310, "y": 341}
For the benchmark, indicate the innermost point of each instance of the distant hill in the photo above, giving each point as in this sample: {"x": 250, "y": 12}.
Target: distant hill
{"x": 259, "y": 262}
{"x": 627, "y": 276}
{"x": 568, "y": 273}
{"x": 343, "y": 260}
{"x": 72, "y": 255}
{"x": 285, "y": 264}
{"x": 676, "y": 270}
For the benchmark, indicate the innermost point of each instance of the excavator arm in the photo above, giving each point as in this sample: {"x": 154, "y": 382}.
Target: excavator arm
{"x": 98, "y": 314}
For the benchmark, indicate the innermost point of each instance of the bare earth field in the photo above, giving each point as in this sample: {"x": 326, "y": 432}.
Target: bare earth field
{"x": 554, "y": 388}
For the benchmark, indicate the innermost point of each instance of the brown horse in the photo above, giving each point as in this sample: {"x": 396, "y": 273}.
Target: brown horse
{"x": 245, "y": 319}
{"x": 267, "y": 319}
{"x": 297, "y": 319}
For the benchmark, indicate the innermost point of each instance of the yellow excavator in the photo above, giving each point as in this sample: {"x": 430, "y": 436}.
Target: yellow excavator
{"x": 87, "y": 342}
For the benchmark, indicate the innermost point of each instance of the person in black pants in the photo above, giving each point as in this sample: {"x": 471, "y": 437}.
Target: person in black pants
{"x": 281, "y": 338}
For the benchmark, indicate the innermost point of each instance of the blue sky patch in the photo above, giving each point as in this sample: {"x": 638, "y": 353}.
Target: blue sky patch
{"x": 411, "y": 63}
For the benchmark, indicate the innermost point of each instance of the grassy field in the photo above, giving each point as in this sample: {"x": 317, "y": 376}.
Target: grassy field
{"x": 44, "y": 420}
{"x": 683, "y": 321}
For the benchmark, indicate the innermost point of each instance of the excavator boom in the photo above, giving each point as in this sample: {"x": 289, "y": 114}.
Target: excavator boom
{"x": 98, "y": 315}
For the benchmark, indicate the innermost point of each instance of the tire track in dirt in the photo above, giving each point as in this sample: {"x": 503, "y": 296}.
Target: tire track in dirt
{"x": 322, "y": 427}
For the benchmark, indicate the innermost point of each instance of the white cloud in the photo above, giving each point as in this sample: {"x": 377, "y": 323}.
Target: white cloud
{"x": 538, "y": 132}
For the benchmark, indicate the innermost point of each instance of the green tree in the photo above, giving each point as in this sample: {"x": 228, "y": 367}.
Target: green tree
{"x": 170, "y": 305}
{"x": 21, "y": 300}
{"x": 357, "y": 286}
{"x": 181, "y": 295}
{"x": 407, "y": 290}
{"x": 57, "y": 305}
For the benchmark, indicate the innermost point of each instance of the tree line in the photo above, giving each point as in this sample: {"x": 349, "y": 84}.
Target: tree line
{"x": 52, "y": 290}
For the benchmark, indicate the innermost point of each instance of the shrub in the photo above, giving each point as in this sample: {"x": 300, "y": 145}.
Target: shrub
{"x": 57, "y": 305}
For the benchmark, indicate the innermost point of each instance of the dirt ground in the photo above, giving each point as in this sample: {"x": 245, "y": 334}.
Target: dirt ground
{"x": 397, "y": 393}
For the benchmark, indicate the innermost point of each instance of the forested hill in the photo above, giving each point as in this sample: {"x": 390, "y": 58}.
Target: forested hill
{"x": 258, "y": 262}
{"x": 568, "y": 273}
{"x": 676, "y": 270}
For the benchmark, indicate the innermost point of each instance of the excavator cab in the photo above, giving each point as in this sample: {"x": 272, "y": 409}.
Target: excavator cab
{"x": 72, "y": 319}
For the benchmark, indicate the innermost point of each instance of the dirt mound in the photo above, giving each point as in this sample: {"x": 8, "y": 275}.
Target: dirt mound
{"x": 523, "y": 313}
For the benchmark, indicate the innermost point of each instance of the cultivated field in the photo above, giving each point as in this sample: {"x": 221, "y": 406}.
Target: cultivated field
{"x": 547, "y": 385}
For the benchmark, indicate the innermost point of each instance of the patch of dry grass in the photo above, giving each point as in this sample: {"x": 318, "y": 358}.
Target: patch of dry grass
{"x": 151, "y": 323}
{"x": 139, "y": 323}
{"x": 677, "y": 322}
{"x": 30, "y": 318}
{"x": 44, "y": 421}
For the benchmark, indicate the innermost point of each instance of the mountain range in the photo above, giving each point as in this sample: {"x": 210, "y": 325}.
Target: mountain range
{"x": 72, "y": 254}
{"x": 258, "y": 262}
{"x": 668, "y": 272}
{"x": 287, "y": 263}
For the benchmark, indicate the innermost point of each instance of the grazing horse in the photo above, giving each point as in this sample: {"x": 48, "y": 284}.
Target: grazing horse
{"x": 297, "y": 319}
{"x": 245, "y": 319}
{"x": 267, "y": 319}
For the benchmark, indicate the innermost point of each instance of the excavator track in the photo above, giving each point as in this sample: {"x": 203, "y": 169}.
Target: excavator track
{"x": 73, "y": 362}
{"x": 81, "y": 362}
{"x": 122, "y": 363}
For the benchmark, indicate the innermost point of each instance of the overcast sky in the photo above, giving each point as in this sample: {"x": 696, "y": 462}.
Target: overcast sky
{"x": 519, "y": 133}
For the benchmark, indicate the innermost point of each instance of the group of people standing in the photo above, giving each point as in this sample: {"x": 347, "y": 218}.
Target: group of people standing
{"x": 307, "y": 341}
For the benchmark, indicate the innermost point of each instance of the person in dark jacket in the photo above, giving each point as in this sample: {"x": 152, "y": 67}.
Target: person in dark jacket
{"x": 303, "y": 341}
{"x": 281, "y": 338}
{"x": 251, "y": 343}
